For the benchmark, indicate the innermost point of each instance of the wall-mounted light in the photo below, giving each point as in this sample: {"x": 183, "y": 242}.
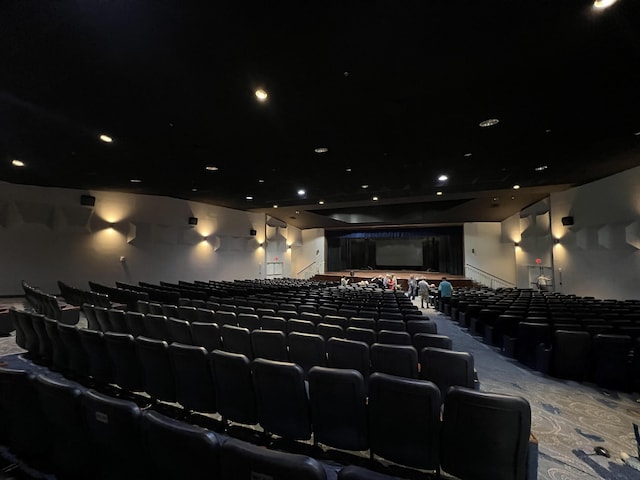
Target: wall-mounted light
{"x": 289, "y": 246}
{"x": 556, "y": 241}
{"x": 516, "y": 244}
{"x": 261, "y": 244}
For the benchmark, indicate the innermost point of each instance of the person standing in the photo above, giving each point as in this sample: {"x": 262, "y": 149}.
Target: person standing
{"x": 445, "y": 288}
{"x": 413, "y": 287}
{"x": 423, "y": 291}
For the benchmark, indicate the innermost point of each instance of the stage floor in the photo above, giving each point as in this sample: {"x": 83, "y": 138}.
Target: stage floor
{"x": 401, "y": 275}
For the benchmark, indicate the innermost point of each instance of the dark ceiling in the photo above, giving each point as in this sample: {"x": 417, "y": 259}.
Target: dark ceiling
{"x": 394, "y": 89}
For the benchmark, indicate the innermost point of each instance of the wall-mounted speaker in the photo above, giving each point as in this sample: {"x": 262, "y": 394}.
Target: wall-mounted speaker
{"x": 566, "y": 221}
{"x": 87, "y": 200}
{"x": 253, "y": 232}
{"x": 193, "y": 220}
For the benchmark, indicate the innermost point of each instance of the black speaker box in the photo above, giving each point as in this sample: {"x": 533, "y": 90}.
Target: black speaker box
{"x": 87, "y": 200}
{"x": 567, "y": 221}
{"x": 193, "y": 220}
{"x": 253, "y": 232}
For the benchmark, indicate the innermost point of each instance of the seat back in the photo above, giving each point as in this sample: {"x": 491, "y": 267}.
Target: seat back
{"x": 222, "y": 317}
{"x": 45, "y": 349}
{"x": 269, "y": 344}
{"x": 179, "y": 330}
{"x": 352, "y": 354}
{"x": 59, "y": 355}
{"x": 365, "y": 335}
{"x": 400, "y": 360}
{"x": 159, "y": 378}
{"x": 156, "y": 327}
{"x": 100, "y": 367}
{"x": 236, "y": 340}
{"x": 206, "y": 335}
{"x": 113, "y": 426}
{"x": 135, "y": 324}
{"x": 489, "y": 431}
{"x": 404, "y": 420}
{"x": 194, "y": 384}
{"x": 422, "y": 326}
{"x": 394, "y": 338}
{"x": 282, "y": 399}
{"x": 90, "y": 315}
{"x": 446, "y": 368}
{"x": 611, "y": 354}
{"x": 300, "y": 326}
{"x": 177, "y": 449}
{"x": 338, "y": 408}
{"x": 233, "y": 381}
{"x": 127, "y": 369}
{"x": 102, "y": 316}
{"x": 244, "y": 461}
{"x": 189, "y": 314}
{"x": 422, "y": 340}
{"x": 78, "y": 358}
{"x": 571, "y": 355}
{"x": 391, "y": 325}
{"x": 271, "y": 322}
{"x": 327, "y": 331}
{"x": 117, "y": 321}
{"x": 307, "y": 350}
{"x": 250, "y": 321}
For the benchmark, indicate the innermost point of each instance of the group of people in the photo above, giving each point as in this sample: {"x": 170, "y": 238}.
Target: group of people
{"x": 424, "y": 290}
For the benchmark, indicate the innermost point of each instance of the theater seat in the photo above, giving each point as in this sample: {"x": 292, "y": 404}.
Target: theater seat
{"x": 195, "y": 390}
{"x": 338, "y": 408}
{"x": 179, "y": 450}
{"x": 269, "y": 344}
{"x": 485, "y": 435}
{"x": 59, "y": 355}
{"x": 235, "y": 392}
{"x": 446, "y": 368}
{"x": 244, "y": 461}
{"x": 343, "y": 353}
{"x": 205, "y": 334}
{"x": 127, "y": 369}
{"x": 307, "y": 350}
{"x": 354, "y": 472}
{"x": 158, "y": 374}
{"x": 282, "y": 399}
{"x": 404, "y": 420}
{"x": 400, "y": 360}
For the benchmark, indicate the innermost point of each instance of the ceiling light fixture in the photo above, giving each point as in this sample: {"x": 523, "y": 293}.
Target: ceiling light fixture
{"x": 321, "y": 202}
{"x": 194, "y": 189}
{"x": 275, "y": 206}
{"x": 490, "y": 122}
{"x": 365, "y": 186}
{"x": 443, "y": 178}
{"x": 211, "y": 168}
{"x": 468, "y": 154}
{"x": 516, "y": 187}
{"x": 348, "y": 170}
{"x": 106, "y": 138}
{"x": 439, "y": 193}
{"x": 302, "y": 192}
{"x": 261, "y": 181}
{"x": 135, "y": 180}
{"x": 600, "y": 4}
{"x": 249, "y": 197}
{"x": 637, "y": 134}
{"x": 541, "y": 168}
{"x": 375, "y": 199}
{"x": 321, "y": 150}
{"x": 261, "y": 95}
{"x": 17, "y": 163}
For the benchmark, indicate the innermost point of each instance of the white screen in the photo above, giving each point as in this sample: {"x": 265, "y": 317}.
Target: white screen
{"x": 400, "y": 252}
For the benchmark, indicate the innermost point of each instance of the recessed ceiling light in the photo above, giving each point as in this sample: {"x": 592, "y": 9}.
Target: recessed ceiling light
{"x": 17, "y": 163}
{"x": 541, "y": 168}
{"x": 194, "y": 189}
{"x": 135, "y": 180}
{"x": 443, "y": 178}
{"x": 516, "y": 187}
{"x": 302, "y": 192}
{"x": 637, "y": 134}
{"x": 261, "y": 181}
{"x": 261, "y": 94}
{"x": 321, "y": 150}
{"x": 348, "y": 170}
{"x": 375, "y": 199}
{"x": 548, "y": 130}
{"x": 211, "y": 168}
{"x": 249, "y": 197}
{"x": 603, "y": 3}
{"x": 438, "y": 193}
{"x": 275, "y": 206}
{"x": 490, "y": 122}
{"x": 468, "y": 154}
{"x": 297, "y": 211}
{"x": 365, "y": 186}
{"x": 321, "y": 202}
{"x": 106, "y": 138}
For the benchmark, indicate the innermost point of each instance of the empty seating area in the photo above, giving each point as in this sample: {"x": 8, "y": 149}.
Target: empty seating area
{"x": 324, "y": 369}
{"x": 578, "y": 338}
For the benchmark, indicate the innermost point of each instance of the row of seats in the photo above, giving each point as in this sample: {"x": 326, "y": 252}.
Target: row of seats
{"x": 78, "y": 432}
{"x": 48, "y": 305}
{"x": 87, "y": 353}
{"x": 604, "y": 350}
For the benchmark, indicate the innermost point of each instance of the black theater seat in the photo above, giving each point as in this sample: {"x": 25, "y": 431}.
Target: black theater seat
{"x": 158, "y": 374}
{"x": 612, "y": 361}
{"x": 78, "y": 358}
{"x": 195, "y": 389}
{"x": 233, "y": 381}
{"x": 338, "y": 408}
{"x": 206, "y": 335}
{"x": 269, "y": 344}
{"x": 404, "y": 420}
{"x": 365, "y": 335}
{"x": 156, "y": 327}
{"x": 59, "y": 355}
{"x": 307, "y": 350}
{"x": 100, "y": 367}
{"x": 282, "y": 399}
{"x": 422, "y": 340}
{"x": 343, "y": 353}
{"x": 178, "y": 450}
{"x": 127, "y": 369}
{"x": 135, "y": 324}
{"x": 446, "y": 368}
{"x": 244, "y": 461}
{"x": 399, "y": 360}
{"x": 485, "y": 435}
{"x": 236, "y": 340}
{"x": 179, "y": 331}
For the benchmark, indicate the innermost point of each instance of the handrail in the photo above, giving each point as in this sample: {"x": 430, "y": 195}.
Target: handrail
{"x": 485, "y": 277}
{"x": 306, "y": 268}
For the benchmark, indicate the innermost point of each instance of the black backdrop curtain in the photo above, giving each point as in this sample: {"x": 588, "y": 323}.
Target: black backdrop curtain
{"x": 442, "y": 248}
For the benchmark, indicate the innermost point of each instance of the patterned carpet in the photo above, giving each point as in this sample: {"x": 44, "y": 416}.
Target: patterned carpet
{"x": 569, "y": 419}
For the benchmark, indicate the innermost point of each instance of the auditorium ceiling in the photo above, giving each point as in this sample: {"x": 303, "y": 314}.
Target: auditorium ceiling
{"x": 325, "y": 113}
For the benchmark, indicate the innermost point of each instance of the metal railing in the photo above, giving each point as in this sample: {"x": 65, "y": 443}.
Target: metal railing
{"x": 485, "y": 278}
{"x": 314, "y": 268}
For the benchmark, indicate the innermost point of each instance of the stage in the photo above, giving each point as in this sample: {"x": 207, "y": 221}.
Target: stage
{"x": 402, "y": 276}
